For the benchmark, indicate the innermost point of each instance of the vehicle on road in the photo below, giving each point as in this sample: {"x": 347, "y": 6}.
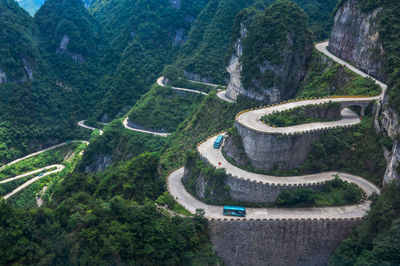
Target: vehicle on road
{"x": 41, "y": 174}
{"x": 234, "y": 211}
{"x": 67, "y": 141}
{"x": 218, "y": 141}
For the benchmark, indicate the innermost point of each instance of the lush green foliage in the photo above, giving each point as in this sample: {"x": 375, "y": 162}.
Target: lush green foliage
{"x": 304, "y": 114}
{"x": 162, "y": 108}
{"x": 335, "y": 193}
{"x": 376, "y": 241}
{"x": 44, "y": 159}
{"x": 355, "y": 150}
{"x": 325, "y": 77}
{"x": 16, "y": 40}
{"x": 211, "y": 116}
{"x": 217, "y": 191}
{"x": 282, "y": 27}
{"x": 106, "y": 221}
{"x": 142, "y": 39}
{"x": 121, "y": 144}
{"x": 209, "y": 39}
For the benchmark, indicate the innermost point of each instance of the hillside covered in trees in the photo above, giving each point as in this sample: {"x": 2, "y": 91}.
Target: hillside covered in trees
{"x": 99, "y": 60}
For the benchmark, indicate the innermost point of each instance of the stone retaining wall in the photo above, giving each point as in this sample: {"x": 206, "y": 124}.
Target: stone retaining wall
{"x": 278, "y": 242}
{"x": 268, "y": 151}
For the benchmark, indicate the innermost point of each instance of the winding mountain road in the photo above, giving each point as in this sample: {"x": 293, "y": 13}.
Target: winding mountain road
{"x": 159, "y": 134}
{"x": 59, "y": 168}
{"x": 82, "y": 124}
{"x": 251, "y": 119}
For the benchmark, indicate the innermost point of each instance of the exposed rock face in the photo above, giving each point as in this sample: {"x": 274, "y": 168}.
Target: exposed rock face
{"x": 3, "y": 76}
{"x": 175, "y": 3}
{"x": 179, "y": 38}
{"x": 390, "y": 126}
{"x": 28, "y": 74}
{"x": 297, "y": 242}
{"x": 63, "y": 49}
{"x": 100, "y": 163}
{"x": 197, "y": 77}
{"x": 355, "y": 38}
{"x": 271, "y": 54}
{"x": 274, "y": 152}
{"x": 235, "y": 67}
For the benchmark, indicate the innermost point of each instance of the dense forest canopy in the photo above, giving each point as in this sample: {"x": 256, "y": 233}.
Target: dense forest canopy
{"x": 98, "y": 59}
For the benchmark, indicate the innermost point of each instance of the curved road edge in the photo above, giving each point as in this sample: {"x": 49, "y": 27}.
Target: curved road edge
{"x": 126, "y": 125}
{"x": 178, "y": 191}
{"x": 82, "y": 124}
{"x": 59, "y": 168}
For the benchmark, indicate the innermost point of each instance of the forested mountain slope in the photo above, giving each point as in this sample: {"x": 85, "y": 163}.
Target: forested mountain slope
{"x": 208, "y": 49}
{"x": 34, "y": 110}
{"x": 143, "y": 36}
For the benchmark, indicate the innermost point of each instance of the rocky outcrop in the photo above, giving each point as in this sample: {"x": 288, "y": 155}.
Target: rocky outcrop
{"x": 179, "y": 38}
{"x": 234, "y": 68}
{"x": 28, "y": 74}
{"x": 3, "y": 76}
{"x": 271, "y": 53}
{"x": 355, "y": 38}
{"x": 63, "y": 49}
{"x": 100, "y": 163}
{"x": 197, "y": 77}
{"x": 390, "y": 127}
{"x": 278, "y": 242}
{"x": 175, "y": 4}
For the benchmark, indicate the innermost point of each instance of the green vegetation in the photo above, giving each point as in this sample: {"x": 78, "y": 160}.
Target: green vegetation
{"x": 281, "y": 30}
{"x": 355, "y": 150}
{"x": 214, "y": 179}
{"x": 163, "y": 109}
{"x": 325, "y": 78}
{"x": 120, "y": 144}
{"x": 142, "y": 37}
{"x": 209, "y": 39}
{"x": 115, "y": 221}
{"x": 334, "y": 193}
{"x": 211, "y": 116}
{"x": 26, "y": 198}
{"x": 205, "y": 52}
{"x": 6, "y": 188}
{"x": 304, "y": 114}
{"x": 54, "y": 156}
{"x": 377, "y": 240}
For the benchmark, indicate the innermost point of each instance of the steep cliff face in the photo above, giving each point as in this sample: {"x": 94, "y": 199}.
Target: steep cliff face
{"x": 234, "y": 68}
{"x": 390, "y": 127}
{"x": 355, "y": 38}
{"x": 271, "y": 55}
{"x": 19, "y": 50}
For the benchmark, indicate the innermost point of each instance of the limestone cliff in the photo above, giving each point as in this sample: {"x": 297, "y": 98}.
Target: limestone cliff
{"x": 234, "y": 68}
{"x": 355, "y": 38}
{"x": 390, "y": 127}
{"x": 3, "y": 76}
{"x": 271, "y": 54}
{"x": 63, "y": 49}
